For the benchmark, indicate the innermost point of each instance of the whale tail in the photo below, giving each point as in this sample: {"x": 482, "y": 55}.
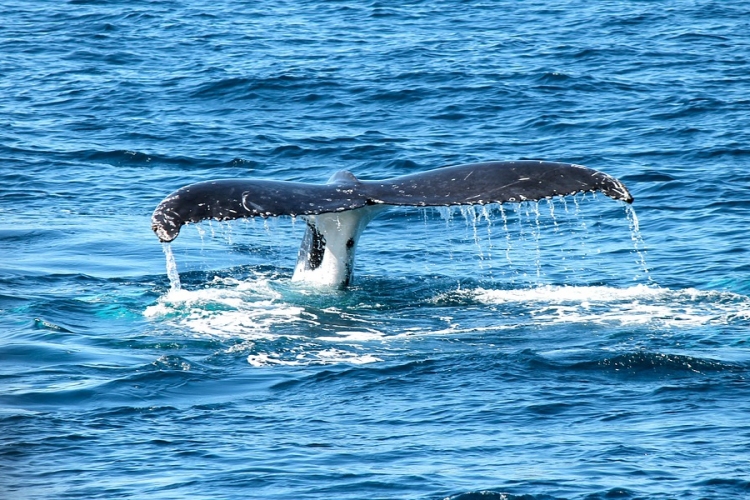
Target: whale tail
{"x": 337, "y": 212}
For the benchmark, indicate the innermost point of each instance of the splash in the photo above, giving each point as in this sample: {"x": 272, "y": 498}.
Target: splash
{"x": 271, "y": 328}
{"x": 229, "y": 308}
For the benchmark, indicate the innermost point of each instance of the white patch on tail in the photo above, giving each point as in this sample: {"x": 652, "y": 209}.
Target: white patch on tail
{"x": 326, "y": 256}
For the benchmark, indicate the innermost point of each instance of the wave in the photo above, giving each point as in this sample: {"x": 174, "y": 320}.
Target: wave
{"x": 496, "y": 495}
{"x": 648, "y": 364}
{"x": 242, "y": 88}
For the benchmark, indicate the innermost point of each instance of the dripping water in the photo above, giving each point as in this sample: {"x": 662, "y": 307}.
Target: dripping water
{"x": 583, "y": 225}
{"x": 525, "y": 230}
{"x": 527, "y": 240}
{"x": 472, "y": 219}
{"x": 446, "y": 213}
{"x": 551, "y": 207}
{"x": 524, "y": 226}
{"x": 487, "y": 215}
{"x": 638, "y": 245}
{"x": 174, "y": 277}
{"x": 508, "y": 239}
{"x": 537, "y": 235}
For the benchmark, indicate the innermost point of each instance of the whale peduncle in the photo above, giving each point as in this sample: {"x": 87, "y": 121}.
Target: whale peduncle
{"x": 326, "y": 255}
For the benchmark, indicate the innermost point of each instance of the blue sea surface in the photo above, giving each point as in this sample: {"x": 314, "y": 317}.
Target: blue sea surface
{"x": 573, "y": 348}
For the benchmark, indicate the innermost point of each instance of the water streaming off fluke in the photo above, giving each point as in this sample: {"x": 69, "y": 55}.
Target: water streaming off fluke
{"x": 174, "y": 276}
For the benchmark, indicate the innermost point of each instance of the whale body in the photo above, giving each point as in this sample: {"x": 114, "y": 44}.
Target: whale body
{"x": 337, "y": 212}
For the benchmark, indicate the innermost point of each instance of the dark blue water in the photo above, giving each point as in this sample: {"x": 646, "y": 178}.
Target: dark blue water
{"x": 570, "y": 349}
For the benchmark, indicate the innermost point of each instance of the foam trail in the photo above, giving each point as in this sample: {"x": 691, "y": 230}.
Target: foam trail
{"x": 174, "y": 277}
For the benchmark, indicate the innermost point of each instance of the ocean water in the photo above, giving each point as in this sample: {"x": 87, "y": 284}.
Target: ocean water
{"x": 574, "y": 348}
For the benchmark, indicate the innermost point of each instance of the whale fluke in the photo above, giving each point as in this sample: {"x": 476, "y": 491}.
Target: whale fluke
{"x": 337, "y": 212}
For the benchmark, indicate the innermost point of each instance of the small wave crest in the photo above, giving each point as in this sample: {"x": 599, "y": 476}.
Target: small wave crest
{"x": 495, "y": 495}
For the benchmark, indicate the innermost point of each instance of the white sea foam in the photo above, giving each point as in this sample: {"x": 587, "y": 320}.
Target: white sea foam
{"x": 634, "y": 305}
{"x": 229, "y": 308}
{"x": 319, "y": 357}
{"x": 294, "y": 329}
{"x": 257, "y": 315}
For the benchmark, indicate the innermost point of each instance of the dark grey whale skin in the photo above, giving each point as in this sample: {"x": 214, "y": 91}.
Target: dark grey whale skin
{"x": 471, "y": 184}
